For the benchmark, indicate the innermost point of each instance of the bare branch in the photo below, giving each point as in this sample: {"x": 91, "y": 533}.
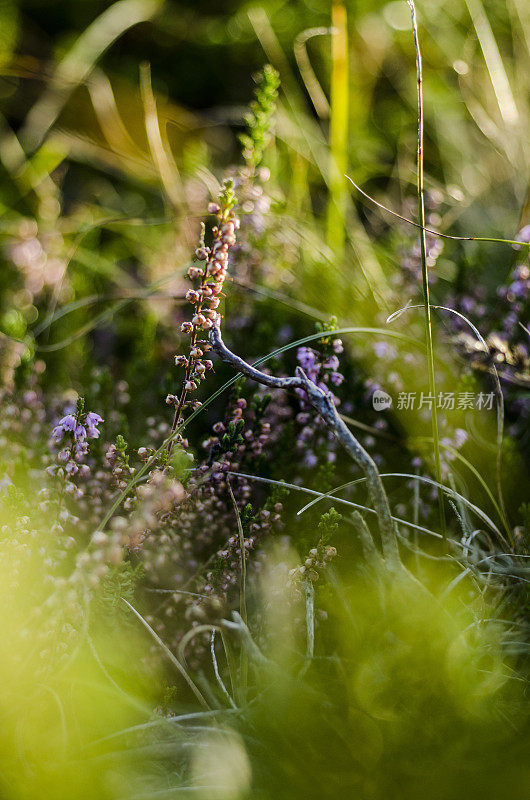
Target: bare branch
{"x": 323, "y": 404}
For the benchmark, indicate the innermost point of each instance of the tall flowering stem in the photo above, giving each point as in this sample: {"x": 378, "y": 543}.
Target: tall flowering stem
{"x": 259, "y": 118}
{"x": 205, "y": 299}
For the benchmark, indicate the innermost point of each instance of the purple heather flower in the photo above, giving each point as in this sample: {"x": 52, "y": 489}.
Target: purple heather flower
{"x": 522, "y": 236}
{"x": 67, "y": 423}
{"x": 306, "y": 358}
{"x": 92, "y": 421}
{"x": 468, "y": 304}
{"x": 460, "y": 437}
{"x": 336, "y": 378}
{"x": 332, "y": 363}
{"x": 310, "y": 459}
{"x": 81, "y": 449}
{"x": 71, "y": 424}
{"x": 509, "y": 322}
{"x": 519, "y": 288}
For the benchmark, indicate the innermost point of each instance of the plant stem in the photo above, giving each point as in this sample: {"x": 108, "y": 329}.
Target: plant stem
{"x": 338, "y": 129}
{"x": 425, "y": 272}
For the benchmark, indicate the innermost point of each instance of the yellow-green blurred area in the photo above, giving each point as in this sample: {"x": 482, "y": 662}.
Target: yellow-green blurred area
{"x": 408, "y": 691}
{"x": 408, "y": 696}
{"x": 72, "y": 668}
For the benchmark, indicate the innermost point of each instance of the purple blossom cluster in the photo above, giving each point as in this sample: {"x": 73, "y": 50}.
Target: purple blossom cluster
{"x": 202, "y": 528}
{"x": 515, "y": 295}
{"x": 314, "y": 438}
{"x": 507, "y": 337}
{"x": 79, "y": 428}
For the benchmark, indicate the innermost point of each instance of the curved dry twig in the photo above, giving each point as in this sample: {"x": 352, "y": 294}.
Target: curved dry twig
{"x": 325, "y": 408}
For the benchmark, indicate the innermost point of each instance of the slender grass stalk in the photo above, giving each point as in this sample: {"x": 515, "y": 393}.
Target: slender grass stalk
{"x": 217, "y": 673}
{"x": 495, "y": 240}
{"x": 309, "y": 591}
{"x": 500, "y": 407}
{"x": 310, "y": 619}
{"x": 243, "y": 660}
{"x": 307, "y": 73}
{"x": 425, "y": 271}
{"x": 165, "y": 649}
{"x": 161, "y": 154}
{"x": 243, "y": 562}
{"x": 338, "y": 129}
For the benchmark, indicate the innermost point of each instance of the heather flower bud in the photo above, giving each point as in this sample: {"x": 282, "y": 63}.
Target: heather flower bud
{"x": 186, "y": 327}
{"x": 201, "y": 253}
{"x": 213, "y": 208}
{"x": 192, "y": 296}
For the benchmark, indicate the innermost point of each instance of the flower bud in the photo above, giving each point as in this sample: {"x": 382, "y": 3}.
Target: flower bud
{"x": 192, "y": 296}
